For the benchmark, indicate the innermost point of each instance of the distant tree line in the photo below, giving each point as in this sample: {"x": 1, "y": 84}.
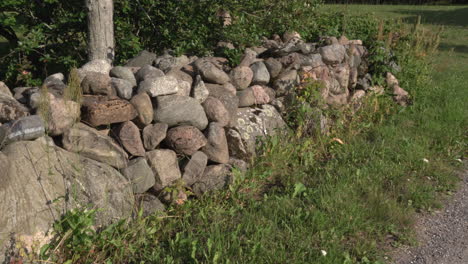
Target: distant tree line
{"x": 398, "y": 2}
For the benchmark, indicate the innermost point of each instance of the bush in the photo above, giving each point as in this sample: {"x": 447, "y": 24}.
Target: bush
{"x": 53, "y": 32}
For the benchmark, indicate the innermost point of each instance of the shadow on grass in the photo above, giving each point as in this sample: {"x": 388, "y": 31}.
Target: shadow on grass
{"x": 455, "y": 17}
{"x": 451, "y": 47}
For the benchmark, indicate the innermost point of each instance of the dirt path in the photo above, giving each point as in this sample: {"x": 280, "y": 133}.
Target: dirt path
{"x": 443, "y": 236}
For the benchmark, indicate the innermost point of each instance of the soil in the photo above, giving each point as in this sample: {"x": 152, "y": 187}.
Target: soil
{"x": 442, "y": 236}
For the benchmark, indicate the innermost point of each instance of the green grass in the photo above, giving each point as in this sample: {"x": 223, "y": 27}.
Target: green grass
{"x": 307, "y": 195}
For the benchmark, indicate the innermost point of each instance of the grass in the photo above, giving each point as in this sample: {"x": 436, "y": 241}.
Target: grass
{"x": 314, "y": 200}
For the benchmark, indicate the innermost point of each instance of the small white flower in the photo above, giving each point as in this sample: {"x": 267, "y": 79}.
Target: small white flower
{"x": 459, "y": 160}
{"x": 324, "y": 253}
{"x": 426, "y": 160}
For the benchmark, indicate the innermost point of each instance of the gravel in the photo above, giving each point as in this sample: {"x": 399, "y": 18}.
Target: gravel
{"x": 443, "y": 236}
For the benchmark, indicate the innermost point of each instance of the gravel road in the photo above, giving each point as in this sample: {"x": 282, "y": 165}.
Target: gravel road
{"x": 443, "y": 236}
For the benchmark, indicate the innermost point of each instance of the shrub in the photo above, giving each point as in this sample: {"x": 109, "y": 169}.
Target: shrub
{"x": 53, "y": 32}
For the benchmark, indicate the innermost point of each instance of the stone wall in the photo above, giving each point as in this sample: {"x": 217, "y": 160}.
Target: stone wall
{"x": 157, "y": 122}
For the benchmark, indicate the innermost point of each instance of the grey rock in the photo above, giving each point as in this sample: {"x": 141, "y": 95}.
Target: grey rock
{"x": 236, "y": 145}
{"x": 4, "y": 90}
{"x": 185, "y": 81}
{"x": 251, "y": 124}
{"x": 140, "y": 174}
{"x": 142, "y": 59}
{"x": 217, "y": 148}
{"x": 199, "y": 90}
{"x": 123, "y": 88}
{"x": 260, "y": 73}
{"x": 238, "y": 164}
{"x": 62, "y": 114}
{"x": 249, "y": 57}
{"x": 254, "y": 95}
{"x": 210, "y": 72}
{"x": 274, "y": 67}
{"x": 10, "y": 109}
{"x": 230, "y": 101}
{"x": 241, "y": 77}
{"x": 24, "y": 128}
{"x": 54, "y": 78}
{"x": 164, "y": 164}
{"x": 333, "y": 54}
{"x": 124, "y": 73}
{"x": 150, "y": 205}
{"x": 144, "y": 108}
{"x": 22, "y": 94}
{"x": 164, "y": 85}
{"x": 43, "y": 182}
{"x": 181, "y": 76}
{"x": 97, "y": 83}
{"x": 285, "y": 82}
{"x": 148, "y": 72}
{"x": 89, "y": 143}
{"x": 194, "y": 168}
{"x": 216, "y": 111}
{"x": 153, "y": 135}
{"x": 185, "y": 139}
{"x": 130, "y": 138}
{"x": 341, "y": 73}
{"x": 215, "y": 177}
{"x": 167, "y": 63}
{"x": 180, "y": 110}
{"x": 99, "y": 66}
{"x": 270, "y": 92}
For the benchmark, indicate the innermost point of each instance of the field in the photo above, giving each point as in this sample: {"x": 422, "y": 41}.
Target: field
{"x": 317, "y": 201}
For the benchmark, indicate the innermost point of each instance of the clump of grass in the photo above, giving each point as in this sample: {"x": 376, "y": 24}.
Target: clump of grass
{"x": 73, "y": 91}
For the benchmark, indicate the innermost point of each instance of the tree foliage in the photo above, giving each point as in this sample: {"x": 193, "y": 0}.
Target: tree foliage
{"x": 46, "y": 36}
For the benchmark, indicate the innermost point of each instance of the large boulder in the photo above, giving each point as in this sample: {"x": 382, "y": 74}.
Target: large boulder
{"x": 333, "y": 54}
{"x": 241, "y": 77}
{"x": 185, "y": 139}
{"x": 130, "y": 138}
{"x": 229, "y": 100}
{"x": 217, "y": 148}
{"x": 261, "y": 75}
{"x": 97, "y": 83}
{"x": 5, "y": 90}
{"x": 148, "y": 72}
{"x": 153, "y": 135}
{"x": 159, "y": 86}
{"x": 25, "y": 128}
{"x": 199, "y": 90}
{"x": 194, "y": 168}
{"x": 123, "y": 88}
{"x": 61, "y": 115}
{"x": 144, "y": 108}
{"x": 40, "y": 182}
{"x": 253, "y": 123}
{"x": 210, "y": 72}
{"x": 216, "y": 111}
{"x": 177, "y": 110}
{"x": 140, "y": 174}
{"x": 124, "y": 73}
{"x": 215, "y": 177}
{"x": 99, "y": 110}
{"x": 165, "y": 166}
{"x": 285, "y": 82}
{"x": 143, "y": 58}
{"x": 89, "y": 143}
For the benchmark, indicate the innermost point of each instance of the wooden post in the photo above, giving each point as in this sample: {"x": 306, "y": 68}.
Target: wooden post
{"x": 100, "y": 29}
